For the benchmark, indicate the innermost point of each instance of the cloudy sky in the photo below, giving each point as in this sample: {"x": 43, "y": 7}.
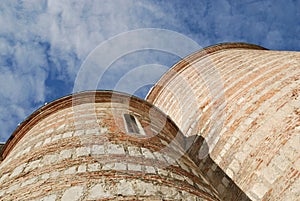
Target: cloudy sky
{"x": 44, "y": 45}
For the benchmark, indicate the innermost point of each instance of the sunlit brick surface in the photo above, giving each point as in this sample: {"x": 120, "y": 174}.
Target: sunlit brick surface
{"x": 77, "y": 148}
{"x": 245, "y": 101}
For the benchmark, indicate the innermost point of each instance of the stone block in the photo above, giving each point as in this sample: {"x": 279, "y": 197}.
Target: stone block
{"x": 234, "y": 166}
{"x": 49, "y": 159}
{"x": 70, "y": 170}
{"x": 225, "y": 181}
{"x": 64, "y": 154}
{"x": 56, "y": 137}
{"x": 12, "y": 188}
{"x": 97, "y": 150}
{"x": 189, "y": 180}
{"x": 281, "y": 162}
{"x": 147, "y": 153}
{"x": 134, "y": 167}
{"x": 67, "y": 134}
{"x": 115, "y": 149}
{"x": 72, "y": 194}
{"x": 162, "y": 172}
{"x": 45, "y": 176}
{"x": 229, "y": 173}
{"x": 81, "y": 168}
{"x": 4, "y": 177}
{"x": 17, "y": 170}
{"x": 125, "y": 187}
{"x": 271, "y": 173}
{"x": 47, "y": 141}
{"x": 150, "y": 169}
{"x": 98, "y": 192}
{"x": 115, "y": 166}
{"x": 54, "y": 174}
{"x": 29, "y": 181}
{"x": 143, "y": 188}
{"x": 183, "y": 166}
{"x": 260, "y": 190}
{"x": 92, "y": 131}
{"x": 108, "y": 166}
{"x": 49, "y": 198}
{"x": 134, "y": 151}
{"x": 221, "y": 188}
{"x": 38, "y": 144}
{"x": 83, "y": 151}
{"x": 170, "y": 160}
{"x": 78, "y": 133}
{"x": 159, "y": 156}
{"x": 49, "y": 131}
{"x": 94, "y": 167}
{"x": 32, "y": 165}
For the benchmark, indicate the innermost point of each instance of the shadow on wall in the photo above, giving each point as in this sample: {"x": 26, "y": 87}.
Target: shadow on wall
{"x": 198, "y": 151}
{"x": 1, "y": 146}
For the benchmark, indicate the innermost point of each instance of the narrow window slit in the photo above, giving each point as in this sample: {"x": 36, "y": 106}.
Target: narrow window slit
{"x": 133, "y": 125}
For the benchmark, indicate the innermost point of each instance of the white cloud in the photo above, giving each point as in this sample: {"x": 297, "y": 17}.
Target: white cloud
{"x": 143, "y": 75}
{"x": 42, "y": 40}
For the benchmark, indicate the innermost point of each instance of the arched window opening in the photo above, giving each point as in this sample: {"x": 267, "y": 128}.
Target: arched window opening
{"x": 133, "y": 125}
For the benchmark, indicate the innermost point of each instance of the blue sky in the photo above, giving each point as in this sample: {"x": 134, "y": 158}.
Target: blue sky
{"x": 43, "y": 44}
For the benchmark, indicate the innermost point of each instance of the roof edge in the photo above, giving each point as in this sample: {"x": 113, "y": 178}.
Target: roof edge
{"x": 75, "y": 99}
{"x": 192, "y": 57}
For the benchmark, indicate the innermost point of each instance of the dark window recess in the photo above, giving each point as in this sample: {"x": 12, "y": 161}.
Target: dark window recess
{"x": 132, "y": 126}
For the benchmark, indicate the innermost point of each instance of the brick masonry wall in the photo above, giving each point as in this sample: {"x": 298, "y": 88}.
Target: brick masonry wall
{"x": 245, "y": 102}
{"x": 77, "y": 148}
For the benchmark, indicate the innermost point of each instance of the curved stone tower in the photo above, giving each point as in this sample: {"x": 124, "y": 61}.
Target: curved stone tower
{"x": 237, "y": 108}
{"x": 244, "y": 101}
{"x": 99, "y": 145}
